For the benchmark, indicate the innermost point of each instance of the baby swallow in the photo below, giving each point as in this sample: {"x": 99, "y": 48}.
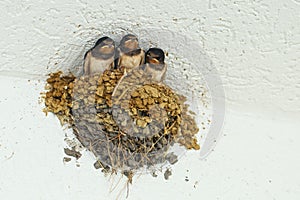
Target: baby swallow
{"x": 129, "y": 54}
{"x": 100, "y": 57}
{"x": 155, "y": 64}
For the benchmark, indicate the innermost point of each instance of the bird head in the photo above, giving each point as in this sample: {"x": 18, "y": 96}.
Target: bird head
{"x": 129, "y": 42}
{"x": 104, "y": 47}
{"x": 155, "y": 56}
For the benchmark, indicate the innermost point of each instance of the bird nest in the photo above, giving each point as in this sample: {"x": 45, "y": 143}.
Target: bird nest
{"x": 128, "y": 120}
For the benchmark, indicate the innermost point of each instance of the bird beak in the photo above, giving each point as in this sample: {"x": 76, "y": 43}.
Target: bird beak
{"x": 108, "y": 46}
{"x": 134, "y": 39}
{"x": 132, "y": 43}
{"x": 153, "y": 61}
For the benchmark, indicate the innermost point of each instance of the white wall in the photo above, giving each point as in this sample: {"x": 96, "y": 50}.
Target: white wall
{"x": 255, "y": 44}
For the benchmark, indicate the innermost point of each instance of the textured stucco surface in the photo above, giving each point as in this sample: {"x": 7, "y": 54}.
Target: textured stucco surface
{"x": 254, "y": 44}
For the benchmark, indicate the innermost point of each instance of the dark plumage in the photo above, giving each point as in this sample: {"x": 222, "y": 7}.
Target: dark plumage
{"x": 129, "y": 54}
{"x": 100, "y": 57}
{"x": 155, "y": 64}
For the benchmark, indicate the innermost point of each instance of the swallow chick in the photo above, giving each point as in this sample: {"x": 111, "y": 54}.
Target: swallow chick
{"x": 100, "y": 57}
{"x": 129, "y": 54}
{"x": 155, "y": 64}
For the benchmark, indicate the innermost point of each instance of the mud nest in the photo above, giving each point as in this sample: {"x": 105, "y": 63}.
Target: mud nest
{"x": 126, "y": 120}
